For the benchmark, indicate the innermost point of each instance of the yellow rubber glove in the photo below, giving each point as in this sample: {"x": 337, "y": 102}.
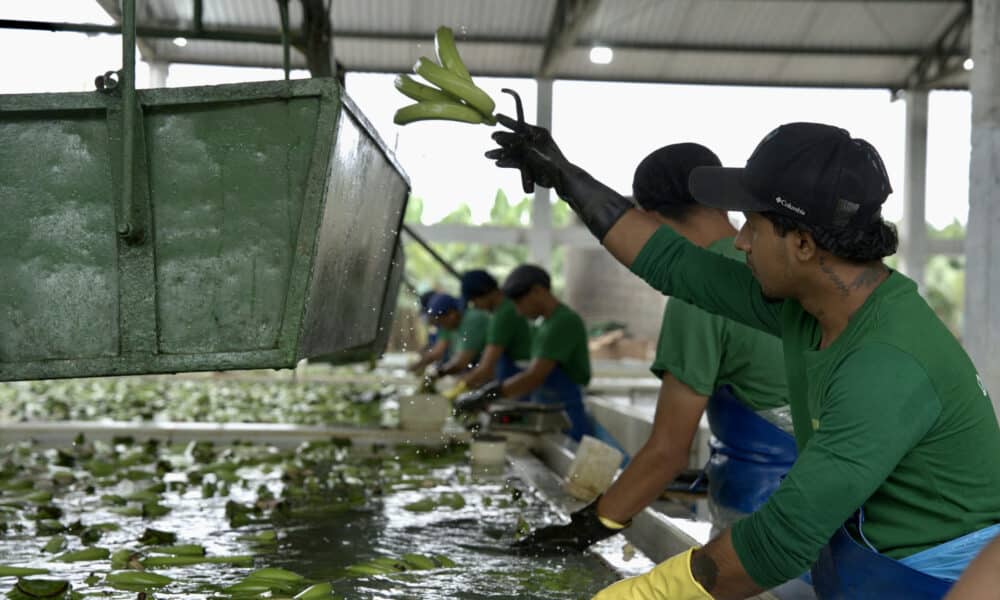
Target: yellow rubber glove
{"x": 454, "y": 392}
{"x": 669, "y": 580}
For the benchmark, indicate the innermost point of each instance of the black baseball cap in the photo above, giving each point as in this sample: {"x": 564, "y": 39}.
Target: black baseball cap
{"x": 661, "y": 179}
{"x": 523, "y": 278}
{"x": 812, "y": 173}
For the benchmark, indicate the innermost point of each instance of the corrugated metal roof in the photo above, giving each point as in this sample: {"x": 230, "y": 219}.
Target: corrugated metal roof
{"x": 864, "y": 43}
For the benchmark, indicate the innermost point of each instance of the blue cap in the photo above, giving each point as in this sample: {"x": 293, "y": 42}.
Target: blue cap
{"x": 425, "y": 299}
{"x": 477, "y": 283}
{"x": 442, "y": 304}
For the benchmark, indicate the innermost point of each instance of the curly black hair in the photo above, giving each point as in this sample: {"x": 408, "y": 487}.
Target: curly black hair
{"x": 857, "y": 245}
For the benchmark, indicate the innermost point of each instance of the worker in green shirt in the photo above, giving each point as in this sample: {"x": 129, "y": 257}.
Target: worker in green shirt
{"x": 705, "y": 362}
{"x": 460, "y": 340}
{"x": 560, "y": 359}
{"x": 508, "y": 335}
{"x": 887, "y": 497}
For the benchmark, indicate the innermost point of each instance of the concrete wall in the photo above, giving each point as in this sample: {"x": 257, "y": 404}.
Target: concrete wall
{"x": 601, "y": 289}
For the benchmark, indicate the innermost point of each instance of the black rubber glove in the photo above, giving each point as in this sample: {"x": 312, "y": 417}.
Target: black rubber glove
{"x": 478, "y": 399}
{"x": 532, "y": 150}
{"x": 584, "y": 529}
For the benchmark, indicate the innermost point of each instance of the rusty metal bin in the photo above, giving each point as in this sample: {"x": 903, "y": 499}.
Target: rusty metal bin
{"x": 264, "y": 221}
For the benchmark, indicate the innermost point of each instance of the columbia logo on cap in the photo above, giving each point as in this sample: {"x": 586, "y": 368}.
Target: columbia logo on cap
{"x": 795, "y": 209}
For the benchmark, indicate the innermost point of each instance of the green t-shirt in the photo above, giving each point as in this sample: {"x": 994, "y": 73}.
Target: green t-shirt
{"x": 706, "y": 351}
{"x": 509, "y": 330}
{"x": 891, "y": 416}
{"x": 563, "y": 338}
{"x": 471, "y": 332}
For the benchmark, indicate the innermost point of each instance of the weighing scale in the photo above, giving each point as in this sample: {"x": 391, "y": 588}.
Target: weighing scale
{"x": 528, "y": 417}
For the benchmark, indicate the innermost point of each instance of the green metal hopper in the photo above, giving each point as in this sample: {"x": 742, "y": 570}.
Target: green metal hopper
{"x": 261, "y": 229}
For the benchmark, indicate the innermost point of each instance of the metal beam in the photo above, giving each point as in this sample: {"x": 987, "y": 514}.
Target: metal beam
{"x": 260, "y": 36}
{"x": 416, "y": 237}
{"x": 914, "y": 227}
{"x": 267, "y": 36}
{"x": 568, "y": 20}
{"x": 497, "y": 235}
{"x": 938, "y": 61}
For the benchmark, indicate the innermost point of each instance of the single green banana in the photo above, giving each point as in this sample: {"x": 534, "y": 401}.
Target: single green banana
{"x": 409, "y": 86}
{"x": 8, "y": 571}
{"x": 82, "y": 555}
{"x": 419, "y": 562}
{"x": 56, "y": 544}
{"x": 274, "y": 574}
{"x": 447, "y": 52}
{"x": 137, "y": 579}
{"x": 315, "y": 592}
{"x": 366, "y": 570}
{"x": 447, "y": 111}
{"x": 180, "y": 550}
{"x": 461, "y": 89}
{"x": 158, "y": 562}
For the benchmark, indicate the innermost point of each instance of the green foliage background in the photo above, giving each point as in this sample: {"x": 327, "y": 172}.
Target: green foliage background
{"x": 426, "y": 274}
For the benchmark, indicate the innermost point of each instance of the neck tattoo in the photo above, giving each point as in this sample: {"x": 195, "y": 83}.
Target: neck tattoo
{"x": 837, "y": 281}
{"x": 868, "y": 278}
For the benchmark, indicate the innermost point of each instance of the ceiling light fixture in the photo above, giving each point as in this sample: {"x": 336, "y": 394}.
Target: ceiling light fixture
{"x": 180, "y": 42}
{"x": 601, "y": 55}
{"x": 968, "y": 64}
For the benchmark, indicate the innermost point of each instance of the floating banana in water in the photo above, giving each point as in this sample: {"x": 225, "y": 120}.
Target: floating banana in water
{"x": 450, "y": 83}
{"x": 136, "y": 579}
{"x": 84, "y": 555}
{"x": 447, "y": 53}
{"x": 9, "y": 571}
{"x": 449, "y": 111}
{"x": 315, "y": 592}
{"x": 420, "y": 92}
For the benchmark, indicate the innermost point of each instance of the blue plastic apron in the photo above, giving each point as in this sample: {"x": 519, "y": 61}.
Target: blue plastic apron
{"x": 749, "y": 455}
{"x": 847, "y": 570}
{"x": 505, "y": 368}
{"x": 559, "y": 388}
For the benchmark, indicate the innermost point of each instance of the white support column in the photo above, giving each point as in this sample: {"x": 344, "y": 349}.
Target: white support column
{"x": 914, "y": 234}
{"x": 982, "y": 243}
{"x": 541, "y": 207}
{"x": 158, "y": 74}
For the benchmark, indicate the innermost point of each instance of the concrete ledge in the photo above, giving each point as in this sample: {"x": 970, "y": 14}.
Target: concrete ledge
{"x": 63, "y": 432}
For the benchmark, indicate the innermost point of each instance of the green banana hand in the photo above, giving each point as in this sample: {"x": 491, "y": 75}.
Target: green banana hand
{"x": 461, "y": 89}
{"x": 449, "y": 111}
{"x": 420, "y": 92}
{"x": 444, "y": 45}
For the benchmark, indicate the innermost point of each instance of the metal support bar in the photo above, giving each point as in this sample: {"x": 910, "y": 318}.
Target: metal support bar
{"x": 914, "y": 238}
{"x": 286, "y": 60}
{"x": 430, "y": 250}
{"x": 199, "y": 24}
{"x": 568, "y": 20}
{"x": 258, "y": 36}
{"x": 541, "y": 206}
{"x": 938, "y": 62}
{"x": 298, "y": 38}
{"x": 127, "y": 228}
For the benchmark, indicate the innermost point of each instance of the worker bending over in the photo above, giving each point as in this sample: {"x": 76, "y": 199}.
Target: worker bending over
{"x": 704, "y": 362}
{"x": 461, "y": 337}
{"x": 560, "y": 359}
